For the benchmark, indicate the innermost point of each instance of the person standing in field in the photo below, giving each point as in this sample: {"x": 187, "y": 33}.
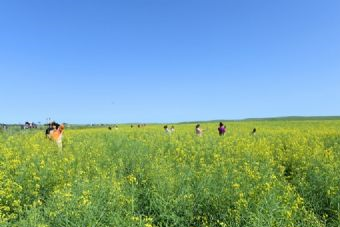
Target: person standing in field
{"x": 221, "y": 129}
{"x": 166, "y": 129}
{"x": 48, "y": 131}
{"x": 55, "y": 132}
{"x": 198, "y": 130}
{"x": 57, "y": 136}
{"x": 253, "y": 133}
{"x": 52, "y": 126}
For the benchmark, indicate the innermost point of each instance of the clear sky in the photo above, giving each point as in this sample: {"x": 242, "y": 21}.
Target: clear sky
{"x": 119, "y": 61}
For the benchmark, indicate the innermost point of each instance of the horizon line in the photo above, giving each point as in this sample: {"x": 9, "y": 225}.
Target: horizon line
{"x": 290, "y": 117}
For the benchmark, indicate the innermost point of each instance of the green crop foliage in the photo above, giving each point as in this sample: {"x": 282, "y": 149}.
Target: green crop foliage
{"x": 288, "y": 174}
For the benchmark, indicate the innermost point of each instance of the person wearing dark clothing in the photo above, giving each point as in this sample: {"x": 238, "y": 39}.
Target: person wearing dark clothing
{"x": 221, "y": 129}
{"x": 51, "y": 126}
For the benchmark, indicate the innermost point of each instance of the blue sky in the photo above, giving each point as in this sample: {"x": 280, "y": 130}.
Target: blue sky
{"x": 168, "y": 60}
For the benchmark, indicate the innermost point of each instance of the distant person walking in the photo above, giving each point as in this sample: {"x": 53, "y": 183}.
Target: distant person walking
{"x": 221, "y": 129}
{"x": 166, "y": 129}
{"x": 198, "y": 130}
{"x": 253, "y": 133}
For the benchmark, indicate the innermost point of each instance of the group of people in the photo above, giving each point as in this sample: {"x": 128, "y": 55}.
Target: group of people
{"x": 3, "y": 127}
{"x": 55, "y": 132}
{"x": 139, "y": 125}
{"x": 29, "y": 125}
{"x": 199, "y": 131}
{"x": 221, "y": 129}
{"x": 167, "y": 130}
{"x": 114, "y": 126}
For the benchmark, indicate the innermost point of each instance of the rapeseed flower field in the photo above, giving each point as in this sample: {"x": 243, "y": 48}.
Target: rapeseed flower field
{"x": 288, "y": 174}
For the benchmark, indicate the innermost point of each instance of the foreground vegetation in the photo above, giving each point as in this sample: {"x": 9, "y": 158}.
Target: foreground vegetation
{"x": 286, "y": 175}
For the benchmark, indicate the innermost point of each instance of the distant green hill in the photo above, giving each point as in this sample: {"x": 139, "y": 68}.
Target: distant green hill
{"x": 294, "y": 118}
{"x": 287, "y": 118}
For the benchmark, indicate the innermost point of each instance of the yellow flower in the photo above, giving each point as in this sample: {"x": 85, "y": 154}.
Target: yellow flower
{"x": 236, "y": 186}
{"x": 132, "y": 179}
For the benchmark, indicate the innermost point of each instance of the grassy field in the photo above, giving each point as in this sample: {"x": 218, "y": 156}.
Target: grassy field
{"x": 288, "y": 174}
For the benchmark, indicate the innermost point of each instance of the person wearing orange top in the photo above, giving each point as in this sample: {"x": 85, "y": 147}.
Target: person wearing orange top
{"x": 57, "y": 135}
